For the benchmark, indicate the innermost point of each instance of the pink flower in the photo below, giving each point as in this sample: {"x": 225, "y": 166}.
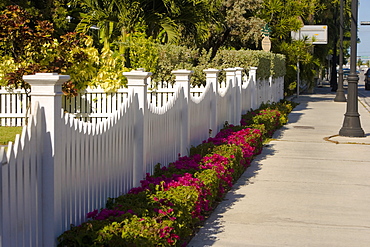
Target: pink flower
{"x": 92, "y": 214}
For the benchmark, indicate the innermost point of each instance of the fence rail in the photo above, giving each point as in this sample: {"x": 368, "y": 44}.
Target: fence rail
{"x": 95, "y": 105}
{"x": 61, "y": 168}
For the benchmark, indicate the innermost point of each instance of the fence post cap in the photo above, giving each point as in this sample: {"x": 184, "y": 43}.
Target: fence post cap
{"x": 211, "y": 70}
{"x": 137, "y": 77}
{"x": 138, "y": 73}
{"x": 230, "y": 69}
{"x": 46, "y": 78}
{"x": 182, "y": 72}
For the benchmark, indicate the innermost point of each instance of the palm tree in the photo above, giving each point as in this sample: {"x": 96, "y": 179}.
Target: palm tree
{"x": 113, "y": 18}
{"x": 117, "y": 18}
{"x": 164, "y": 20}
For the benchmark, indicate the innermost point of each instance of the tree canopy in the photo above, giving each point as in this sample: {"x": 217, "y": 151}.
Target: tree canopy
{"x": 116, "y": 26}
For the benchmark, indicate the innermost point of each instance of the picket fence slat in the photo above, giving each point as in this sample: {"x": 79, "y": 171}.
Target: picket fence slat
{"x": 5, "y": 205}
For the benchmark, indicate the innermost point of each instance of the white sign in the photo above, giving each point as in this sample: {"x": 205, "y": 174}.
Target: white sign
{"x": 317, "y": 34}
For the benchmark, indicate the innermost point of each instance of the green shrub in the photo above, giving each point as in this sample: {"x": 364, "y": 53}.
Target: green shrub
{"x": 269, "y": 117}
{"x": 267, "y": 63}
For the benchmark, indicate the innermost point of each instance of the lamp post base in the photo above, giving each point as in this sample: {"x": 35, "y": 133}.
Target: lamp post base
{"x": 340, "y": 97}
{"x": 351, "y": 126}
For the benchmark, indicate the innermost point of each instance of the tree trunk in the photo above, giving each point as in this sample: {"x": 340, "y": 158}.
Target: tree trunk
{"x": 333, "y": 79}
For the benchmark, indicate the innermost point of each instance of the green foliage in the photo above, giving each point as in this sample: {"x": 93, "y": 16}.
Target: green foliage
{"x": 269, "y": 117}
{"x": 132, "y": 30}
{"x": 299, "y": 51}
{"x": 172, "y": 57}
{"x": 212, "y": 182}
{"x": 202, "y": 149}
{"x": 136, "y": 231}
{"x": 110, "y": 68}
{"x": 31, "y": 48}
{"x": 267, "y": 63}
{"x": 114, "y": 19}
{"x": 22, "y": 36}
{"x": 286, "y": 16}
{"x": 28, "y": 47}
{"x": 144, "y": 52}
{"x": 234, "y": 153}
{"x": 235, "y": 26}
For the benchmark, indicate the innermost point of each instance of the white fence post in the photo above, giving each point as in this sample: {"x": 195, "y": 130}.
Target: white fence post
{"x": 183, "y": 80}
{"x": 47, "y": 90}
{"x": 238, "y": 96}
{"x": 253, "y": 77}
{"x": 137, "y": 85}
{"x": 230, "y": 78}
{"x": 212, "y": 80}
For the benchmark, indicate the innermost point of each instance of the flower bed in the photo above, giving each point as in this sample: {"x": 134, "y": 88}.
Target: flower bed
{"x": 169, "y": 205}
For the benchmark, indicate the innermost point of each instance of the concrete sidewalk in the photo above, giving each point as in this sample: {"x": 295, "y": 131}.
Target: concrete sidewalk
{"x": 308, "y": 187}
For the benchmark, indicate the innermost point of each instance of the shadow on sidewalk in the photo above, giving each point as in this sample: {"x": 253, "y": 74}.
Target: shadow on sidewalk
{"x": 209, "y": 234}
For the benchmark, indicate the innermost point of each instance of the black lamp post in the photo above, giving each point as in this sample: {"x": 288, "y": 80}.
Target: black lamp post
{"x": 351, "y": 124}
{"x": 339, "y": 97}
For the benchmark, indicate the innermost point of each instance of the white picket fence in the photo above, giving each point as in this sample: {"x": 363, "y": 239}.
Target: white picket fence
{"x": 61, "y": 168}
{"x": 94, "y": 104}
{"x": 13, "y": 107}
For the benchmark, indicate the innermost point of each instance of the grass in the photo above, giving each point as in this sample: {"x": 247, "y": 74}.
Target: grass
{"x": 7, "y": 134}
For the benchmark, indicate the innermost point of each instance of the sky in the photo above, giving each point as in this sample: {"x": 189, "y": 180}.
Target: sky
{"x": 363, "y": 48}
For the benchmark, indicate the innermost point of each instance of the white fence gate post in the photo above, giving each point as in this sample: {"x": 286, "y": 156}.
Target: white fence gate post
{"x": 47, "y": 90}
{"x": 137, "y": 85}
{"x": 212, "y": 80}
{"x": 183, "y": 80}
